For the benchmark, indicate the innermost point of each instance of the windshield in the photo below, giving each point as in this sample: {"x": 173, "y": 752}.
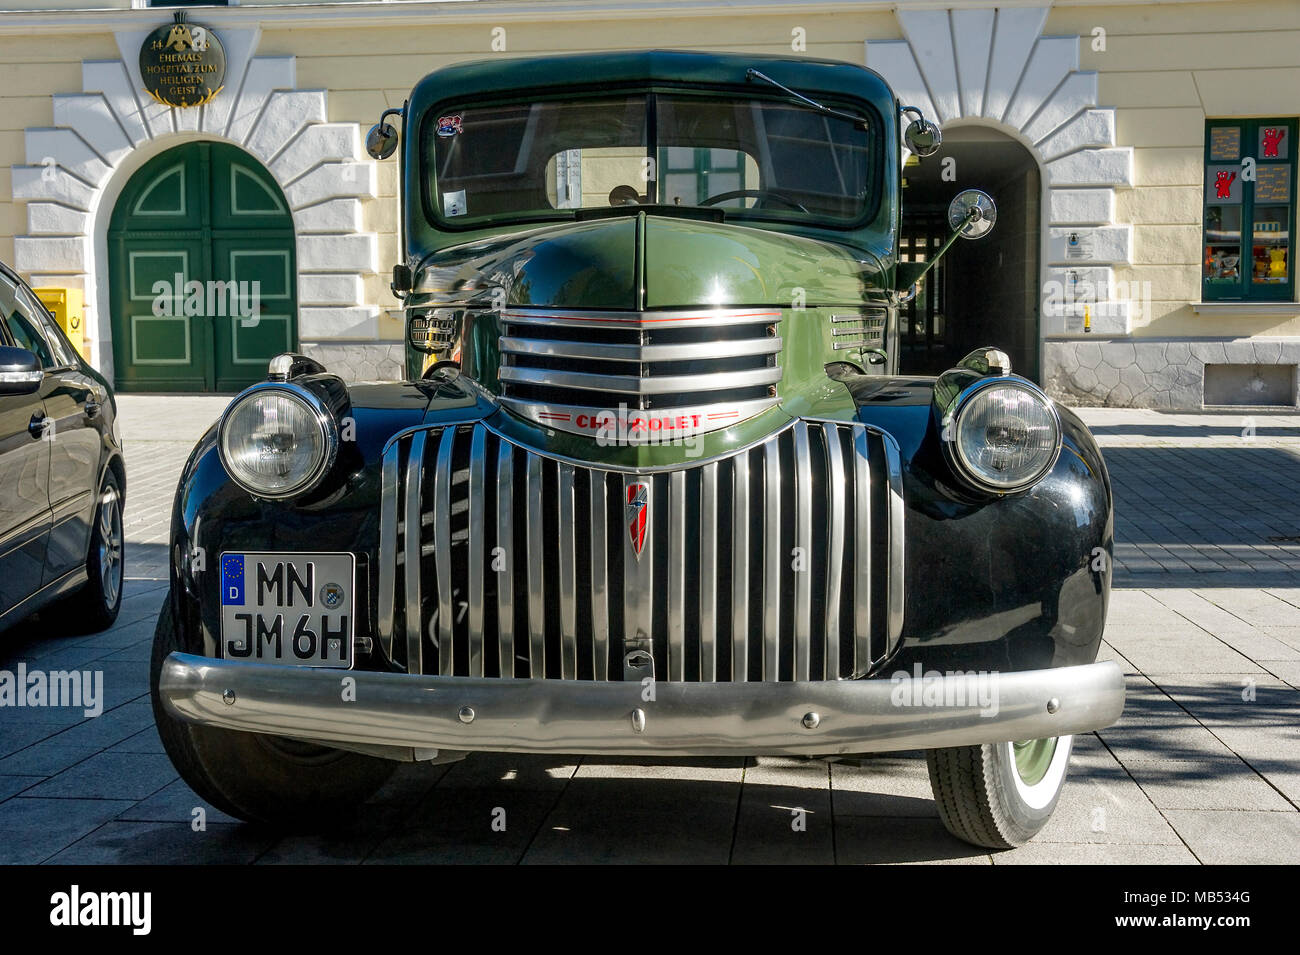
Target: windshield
{"x": 752, "y": 158}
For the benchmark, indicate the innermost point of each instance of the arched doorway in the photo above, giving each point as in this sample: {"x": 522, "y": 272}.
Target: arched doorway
{"x": 983, "y": 292}
{"x": 211, "y": 215}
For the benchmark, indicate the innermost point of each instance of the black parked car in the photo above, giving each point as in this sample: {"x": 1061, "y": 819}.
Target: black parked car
{"x": 62, "y": 478}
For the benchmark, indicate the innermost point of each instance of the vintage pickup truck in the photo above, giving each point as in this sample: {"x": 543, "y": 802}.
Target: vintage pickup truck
{"x": 655, "y": 483}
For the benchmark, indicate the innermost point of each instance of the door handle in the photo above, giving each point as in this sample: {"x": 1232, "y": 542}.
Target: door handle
{"x": 92, "y": 408}
{"x": 36, "y": 427}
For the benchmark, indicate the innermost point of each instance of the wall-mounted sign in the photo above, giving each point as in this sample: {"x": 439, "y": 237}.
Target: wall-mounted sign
{"x": 182, "y": 64}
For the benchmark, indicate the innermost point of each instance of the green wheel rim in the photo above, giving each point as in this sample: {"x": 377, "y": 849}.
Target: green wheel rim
{"x": 1033, "y": 757}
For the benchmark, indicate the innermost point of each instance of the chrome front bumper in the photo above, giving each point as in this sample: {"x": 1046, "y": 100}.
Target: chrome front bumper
{"x": 580, "y": 717}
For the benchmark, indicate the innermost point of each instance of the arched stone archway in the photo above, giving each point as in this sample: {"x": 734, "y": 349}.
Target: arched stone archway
{"x": 994, "y": 67}
{"x": 103, "y": 134}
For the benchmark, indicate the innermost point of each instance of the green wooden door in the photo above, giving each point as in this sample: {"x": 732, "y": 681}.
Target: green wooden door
{"x": 201, "y": 255}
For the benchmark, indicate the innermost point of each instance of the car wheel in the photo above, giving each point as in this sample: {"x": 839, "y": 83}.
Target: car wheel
{"x": 259, "y": 778}
{"x": 95, "y": 606}
{"x": 999, "y": 795}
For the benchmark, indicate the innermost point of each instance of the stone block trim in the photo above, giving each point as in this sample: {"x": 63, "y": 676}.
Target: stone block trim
{"x": 88, "y": 152}
{"x": 994, "y": 66}
{"x": 1164, "y": 374}
{"x": 360, "y": 361}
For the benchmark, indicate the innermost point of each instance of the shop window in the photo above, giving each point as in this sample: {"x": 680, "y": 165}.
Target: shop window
{"x": 1250, "y": 182}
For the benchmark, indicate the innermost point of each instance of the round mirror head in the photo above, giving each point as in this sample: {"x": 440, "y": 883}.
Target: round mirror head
{"x": 976, "y": 210}
{"x": 922, "y": 137}
{"x": 381, "y": 141}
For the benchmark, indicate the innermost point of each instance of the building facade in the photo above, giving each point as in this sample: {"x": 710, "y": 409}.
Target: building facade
{"x": 1142, "y": 155}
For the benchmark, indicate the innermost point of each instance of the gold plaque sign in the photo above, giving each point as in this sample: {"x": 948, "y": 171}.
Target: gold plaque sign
{"x": 182, "y": 64}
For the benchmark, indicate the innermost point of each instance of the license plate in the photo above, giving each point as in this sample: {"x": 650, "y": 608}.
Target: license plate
{"x": 287, "y": 608}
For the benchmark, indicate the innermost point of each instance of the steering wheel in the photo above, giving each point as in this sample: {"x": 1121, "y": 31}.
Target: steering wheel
{"x": 754, "y": 194}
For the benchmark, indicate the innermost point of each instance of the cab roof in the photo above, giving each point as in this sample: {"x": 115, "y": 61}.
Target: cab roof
{"x": 647, "y": 67}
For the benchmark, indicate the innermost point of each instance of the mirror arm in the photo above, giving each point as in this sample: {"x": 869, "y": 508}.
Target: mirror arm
{"x": 915, "y": 287}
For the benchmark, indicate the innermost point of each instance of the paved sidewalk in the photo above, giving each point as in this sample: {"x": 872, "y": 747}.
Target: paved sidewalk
{"x": 1203, "y": 767}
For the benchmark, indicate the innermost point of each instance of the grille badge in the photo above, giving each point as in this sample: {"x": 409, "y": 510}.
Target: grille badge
{"x": 638, "y": 515}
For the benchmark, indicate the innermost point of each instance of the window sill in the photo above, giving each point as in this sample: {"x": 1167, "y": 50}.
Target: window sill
{"x": 1245, "y": 309}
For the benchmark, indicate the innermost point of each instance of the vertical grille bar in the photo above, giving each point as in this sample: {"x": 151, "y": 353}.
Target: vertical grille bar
{"x": 677, "y": 576}
{"x": 568, "y": 578}
{"x": 411, "y": 547}
{"x": 893, "y": 463}
{"x": 599, "y": 577}
{"x": 477, "y": 491}
{"x": 505, "y": 578}
{"x": 387, "y": 609}
{"x": 740, "y": 569}
{"x": 536, "y": 554}
{"x": 834, "y": 549}
{"x": 841, "y": 613}
{"x": 861, "y": 552}
{"x": 708, "y": 573}
{"x": 773, "y": 561}
{"x": 442, "y": 551}
{"x": 803, "y": 540}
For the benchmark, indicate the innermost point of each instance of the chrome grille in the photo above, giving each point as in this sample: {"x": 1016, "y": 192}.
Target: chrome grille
{"x": 864, "y": 329}
{"x": 782, "y": 561}
{"x": 697, "y": 370}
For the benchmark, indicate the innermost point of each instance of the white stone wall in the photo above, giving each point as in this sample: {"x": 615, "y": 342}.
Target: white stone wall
{"x": 75, "y": 170}
{"x": 1166, "y": 374}
{"x": 993, "y": 67}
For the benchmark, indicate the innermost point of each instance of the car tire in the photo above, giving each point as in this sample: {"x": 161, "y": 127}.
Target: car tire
{"x": 258, "y": 778}
{"x": 95, "y": 606}
{"x": 999, "y": 795}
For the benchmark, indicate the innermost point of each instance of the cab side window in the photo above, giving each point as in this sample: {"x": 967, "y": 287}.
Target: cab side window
{"x": 23, "y": 326}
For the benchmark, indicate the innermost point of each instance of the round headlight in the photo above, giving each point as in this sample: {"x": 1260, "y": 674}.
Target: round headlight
{"x": 1005, "y": 436}
{"x": 277, "y": 440}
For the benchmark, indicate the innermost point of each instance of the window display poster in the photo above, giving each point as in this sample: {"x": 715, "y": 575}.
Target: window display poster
{"x": 1225, "y": 143}
{"x": 1273, "y": 182}
{"x": 1222, "y": 185}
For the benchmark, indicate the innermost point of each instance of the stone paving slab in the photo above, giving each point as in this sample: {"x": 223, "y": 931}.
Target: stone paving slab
{"x": 1206, "y": 609}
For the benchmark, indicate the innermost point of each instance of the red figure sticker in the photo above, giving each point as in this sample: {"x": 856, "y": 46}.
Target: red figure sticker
{"x": 1223, "y": 185}
{"x": 1272, "y": 139}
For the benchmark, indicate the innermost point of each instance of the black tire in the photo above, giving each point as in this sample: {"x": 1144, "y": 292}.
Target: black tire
{"x": 94, "y": 607}
{"x": 984, "y": 799}
{"x": 258, "y": 778}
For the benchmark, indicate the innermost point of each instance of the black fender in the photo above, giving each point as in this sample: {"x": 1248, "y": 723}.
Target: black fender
{"x": 212, "y": 514}
{"x": 1016, "y": 582}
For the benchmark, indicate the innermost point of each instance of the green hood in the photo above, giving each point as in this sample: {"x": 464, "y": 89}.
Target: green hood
{"x": 650, "y": 261}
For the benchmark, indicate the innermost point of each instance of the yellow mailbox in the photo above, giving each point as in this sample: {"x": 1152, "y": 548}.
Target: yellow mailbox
{"x": 66, "y": 306}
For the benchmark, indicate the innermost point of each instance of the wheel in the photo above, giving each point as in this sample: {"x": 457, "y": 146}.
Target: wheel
{"x": 259, "y": 778}
{"x": 999, "y": 795}
{"x": 95, "y": 605}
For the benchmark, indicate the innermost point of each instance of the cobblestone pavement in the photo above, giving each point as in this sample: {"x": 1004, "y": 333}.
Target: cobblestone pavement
{"x": 1203, "y": 767}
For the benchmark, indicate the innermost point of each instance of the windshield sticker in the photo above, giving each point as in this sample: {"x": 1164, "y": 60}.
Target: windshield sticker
{"x": 450, "y": 125}
{"x": 453, "y": 203}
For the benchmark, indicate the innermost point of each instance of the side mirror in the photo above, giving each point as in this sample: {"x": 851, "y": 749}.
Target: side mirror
{"x": 20, "y": 371}
{"x": 972, "y": 214}
{"x": 381, "y": 141}
{"x": 403, "y": 280}
{"x": 921, "y": 136}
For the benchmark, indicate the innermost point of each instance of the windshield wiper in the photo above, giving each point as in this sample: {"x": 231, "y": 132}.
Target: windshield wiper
{"x": 857, "y": 121}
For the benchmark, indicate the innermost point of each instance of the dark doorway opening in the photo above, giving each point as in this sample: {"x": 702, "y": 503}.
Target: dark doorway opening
{"x": 983, "y": 292}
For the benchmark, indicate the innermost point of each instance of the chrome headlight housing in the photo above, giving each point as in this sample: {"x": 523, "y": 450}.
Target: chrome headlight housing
{"x": 1002, "y": 435}
{"x": 277, "y": 440}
